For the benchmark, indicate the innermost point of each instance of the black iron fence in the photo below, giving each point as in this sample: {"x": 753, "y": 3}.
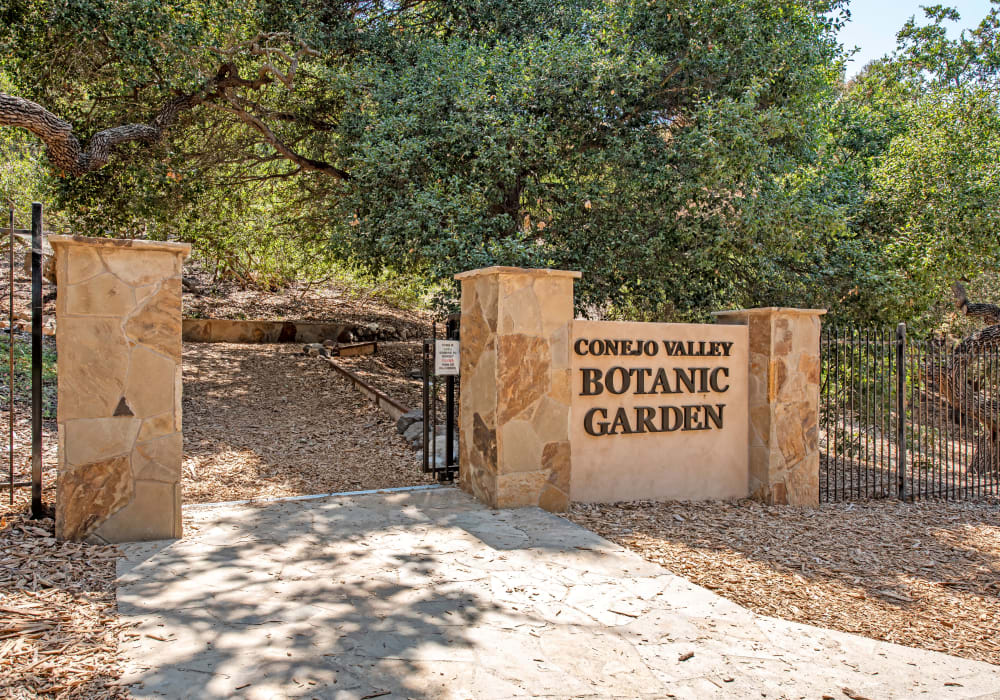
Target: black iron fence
{"x": 19, "y": 474}
{"x": 440, "y": 406}
{"x": 908, "y": 418}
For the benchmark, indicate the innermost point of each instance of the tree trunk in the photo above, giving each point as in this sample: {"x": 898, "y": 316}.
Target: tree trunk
{"x": 975, "y": 404}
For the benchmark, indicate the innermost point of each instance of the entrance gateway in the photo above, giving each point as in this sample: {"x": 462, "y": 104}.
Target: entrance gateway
{"x": 551, "y": 409}
{"x": 555, "y": 409}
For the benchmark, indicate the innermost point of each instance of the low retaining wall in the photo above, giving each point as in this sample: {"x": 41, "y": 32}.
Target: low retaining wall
{"x": 215, "y": 330}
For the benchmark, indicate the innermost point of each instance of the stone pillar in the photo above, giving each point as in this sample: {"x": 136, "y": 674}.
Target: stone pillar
{"x": 784, "y": 402}
{"x": 118, "y": 336}
{"x": 515, "y": 373}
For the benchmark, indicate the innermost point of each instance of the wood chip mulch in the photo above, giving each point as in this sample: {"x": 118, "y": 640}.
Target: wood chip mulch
{"x": 264, "y": 421}
{"x": 59, "y": 628}
{"x": 923, "y": 575}
{"x": 22, "y": 460}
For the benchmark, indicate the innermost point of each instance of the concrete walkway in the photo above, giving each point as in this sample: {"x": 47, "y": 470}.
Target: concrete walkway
{"x": 429, "y": 595}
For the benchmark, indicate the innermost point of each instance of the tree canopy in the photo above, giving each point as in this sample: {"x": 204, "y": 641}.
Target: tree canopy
{"x": 910, "y": 161}
{"x": 685, "y": 155}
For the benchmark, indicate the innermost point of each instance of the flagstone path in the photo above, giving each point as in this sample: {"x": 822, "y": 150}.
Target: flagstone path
{"x": 427, "y": 594}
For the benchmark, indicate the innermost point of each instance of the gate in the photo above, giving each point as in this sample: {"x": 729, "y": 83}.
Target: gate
{"x": 908, "y": 419}
{"x": 439, "y": 439}
{"x": 19, "y": 476}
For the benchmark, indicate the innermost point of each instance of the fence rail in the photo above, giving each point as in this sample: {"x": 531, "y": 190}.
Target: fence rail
{"x": 907, "y": 418}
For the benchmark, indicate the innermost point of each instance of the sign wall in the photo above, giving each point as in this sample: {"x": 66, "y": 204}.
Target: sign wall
{"x": 659, "y": 411}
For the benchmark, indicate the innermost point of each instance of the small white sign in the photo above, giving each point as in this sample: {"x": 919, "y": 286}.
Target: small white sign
{"x": 446, "y": 358}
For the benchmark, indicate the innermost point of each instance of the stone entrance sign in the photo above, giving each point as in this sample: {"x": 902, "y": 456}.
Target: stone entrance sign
{"x": 119, "y": 398}
{"x": 554, "y": 409}
{"x": 659, "y": 411}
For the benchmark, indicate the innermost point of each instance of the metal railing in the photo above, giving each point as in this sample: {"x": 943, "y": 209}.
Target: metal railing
{"x": 906, "y": 418}
{"x": 440, "y": 458}
{"x": 13, "y": 481}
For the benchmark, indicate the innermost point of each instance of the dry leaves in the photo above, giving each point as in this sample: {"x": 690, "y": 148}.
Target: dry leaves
{"x": 923, "y": 575}
{"x": 58, "y": 624}
{"x": 262, "y": 421}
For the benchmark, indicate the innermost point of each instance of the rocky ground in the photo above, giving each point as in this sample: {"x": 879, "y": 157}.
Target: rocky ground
{"x": 923, "y": 575}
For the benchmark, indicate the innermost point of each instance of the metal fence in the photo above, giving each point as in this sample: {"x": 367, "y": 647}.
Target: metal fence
{"x": 17, "y": 478}
{"x": 440, "y": 414}
{"x": 907, "y": 418}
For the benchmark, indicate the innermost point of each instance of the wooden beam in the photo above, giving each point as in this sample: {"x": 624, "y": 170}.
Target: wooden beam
{"x": 380, "y": 398}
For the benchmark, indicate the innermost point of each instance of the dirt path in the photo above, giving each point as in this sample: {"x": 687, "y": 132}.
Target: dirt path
{"x": 262, "y": 421}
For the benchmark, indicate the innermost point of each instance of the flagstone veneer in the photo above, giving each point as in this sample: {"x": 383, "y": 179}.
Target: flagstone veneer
{"x": 784, "y": 402}
{"x": 119, "y": 412}
{"x": 514, "y": 411}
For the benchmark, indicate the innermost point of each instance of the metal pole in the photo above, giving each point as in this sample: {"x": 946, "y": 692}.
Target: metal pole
{"x": 901, "y": 411}
{"x": 425, "y": 466}
{"x": 449, "y": 451}
{"x": 434, "y": 402}
{"x": 36, "y": 361}
{"x": 10, "y": 353}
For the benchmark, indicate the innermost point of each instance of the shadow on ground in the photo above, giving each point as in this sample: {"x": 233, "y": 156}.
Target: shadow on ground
{"x": 430, "y": 595}
{"x": 326, "y": 599}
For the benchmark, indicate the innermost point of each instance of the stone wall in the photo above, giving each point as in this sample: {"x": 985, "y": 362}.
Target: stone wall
{"x": 218, "y": 330}
{"x": 119, "y": 396}
{"x": 784, "y": 402}
{"x": 514, "y": 445}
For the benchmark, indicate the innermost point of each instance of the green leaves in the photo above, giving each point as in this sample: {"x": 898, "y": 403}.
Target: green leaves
{"x": 641, "y": 147}
{"x": 667, "y": 149}
{"x": 911, "y": 168}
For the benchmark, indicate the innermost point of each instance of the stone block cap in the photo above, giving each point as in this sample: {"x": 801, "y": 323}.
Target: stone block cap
{"x": 183, "y": 249}
{"x": 768, "y": 310}
{"x": 527, "y": 271}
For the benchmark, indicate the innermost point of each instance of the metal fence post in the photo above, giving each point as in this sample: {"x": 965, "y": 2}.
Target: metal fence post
{"x": 10, "y": 356}
{"x": 451, "y": 333}
{"x": 901, "y": 410}
{"x": 36, "y": 361}
{"x": 426, "y": 416}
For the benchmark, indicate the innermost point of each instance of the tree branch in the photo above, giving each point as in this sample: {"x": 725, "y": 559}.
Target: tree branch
{"x": 990, "y": 312}
{"x": 307, "y": 164}
{"x": 67, "y": 154}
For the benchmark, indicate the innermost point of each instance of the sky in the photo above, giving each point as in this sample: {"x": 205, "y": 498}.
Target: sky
{"x": 874, "y": 24}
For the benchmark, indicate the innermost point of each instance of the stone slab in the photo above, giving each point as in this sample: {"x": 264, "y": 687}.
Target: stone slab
{"x": 216, "y": 330}
{"x": 173, "y": 247}
{"x": 431, "y": 595}
{"x": 517, "y": 271}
